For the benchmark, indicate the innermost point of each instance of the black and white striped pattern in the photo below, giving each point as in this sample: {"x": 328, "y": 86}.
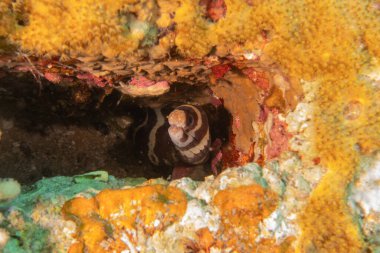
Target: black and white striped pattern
{"x": 189, "y": 131}
{"x": 174, "y": 137}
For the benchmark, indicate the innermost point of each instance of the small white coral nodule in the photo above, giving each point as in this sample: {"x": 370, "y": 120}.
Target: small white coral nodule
{"x": 9, "y": 189}
{"x": 4, "y": 237}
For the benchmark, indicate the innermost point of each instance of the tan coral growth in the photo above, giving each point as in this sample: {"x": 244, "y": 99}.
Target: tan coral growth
{"x": 241, "y": 99}
{"x": 255, "y": 96}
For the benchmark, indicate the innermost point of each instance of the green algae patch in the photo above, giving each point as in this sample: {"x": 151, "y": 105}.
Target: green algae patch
{"x": 32, "y": 238}
{"x": 50, "y": 189}
{"x": 23, "y": 223}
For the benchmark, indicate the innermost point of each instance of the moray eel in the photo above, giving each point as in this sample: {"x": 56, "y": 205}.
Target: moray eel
{"x": 174, "y": 137}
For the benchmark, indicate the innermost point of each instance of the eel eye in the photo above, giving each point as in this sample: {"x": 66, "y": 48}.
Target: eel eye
{"x": 190, "y": 120}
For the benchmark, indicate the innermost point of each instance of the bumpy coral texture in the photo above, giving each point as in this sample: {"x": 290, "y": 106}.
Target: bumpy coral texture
{"x": 240, "y": 218}
{"x": 329, "y": 42}
{"x": 7, "y": 19}
{"x": 117, "y": 220}
{"x": 306, "y": 37}
{"x": 351, "y": 111}
{"x": 106, "y": 221}
{"x": 85, "y": 27}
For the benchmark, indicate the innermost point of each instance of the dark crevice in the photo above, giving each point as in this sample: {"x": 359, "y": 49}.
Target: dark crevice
{"x": 69, "y": 129}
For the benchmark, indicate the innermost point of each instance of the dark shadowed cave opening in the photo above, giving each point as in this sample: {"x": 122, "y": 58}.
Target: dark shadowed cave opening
{"x": 69, "y": 129}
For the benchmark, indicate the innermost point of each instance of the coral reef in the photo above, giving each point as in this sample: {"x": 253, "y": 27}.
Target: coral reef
{"x": 255, "y": 56}
{"x": 341, "y": 154}
{"x": 121, "y": 27}
{"x": 113, "y": 217}
{"x": 33, "y": 220}
{"x": 240, "y": 218}
{"x": 256, "y": 98}
{"x": 88, "y": 28}
{"x": 150, "y": 216}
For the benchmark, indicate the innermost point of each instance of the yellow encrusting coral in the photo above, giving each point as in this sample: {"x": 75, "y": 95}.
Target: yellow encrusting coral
{"x": 347, "y": 117}
{"x": 7, "y": 18}
{"x": 241, "y": 210}
{"x": 117, "y": 220}
{"x": 326, "y": 223}
{"x": 305, "y": 37}
{"x": 319, "y": 40}
{"x": 76, "y": 28}
{"x": 105, "y": 221}
{"x": 329, "y": 42}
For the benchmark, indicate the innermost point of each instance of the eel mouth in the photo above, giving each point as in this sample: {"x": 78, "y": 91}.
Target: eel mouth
{"x": 177, "y": 125}
{"x": 176, "y": 133}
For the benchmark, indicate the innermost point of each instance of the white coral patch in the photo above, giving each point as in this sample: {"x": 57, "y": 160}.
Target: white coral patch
{"x": 130, "y": 245}
{"x": 277, "y": 226}
{"x": 199, "y": 215}
{"x": 367, "y": 191}
{"x": 4, "y": 237}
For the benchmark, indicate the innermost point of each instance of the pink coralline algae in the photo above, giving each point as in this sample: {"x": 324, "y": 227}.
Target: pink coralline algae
{"x": 258, "y": 77}
{"x": 141, "y": 86}
{"x": 279, "y": 137}
{"x": 216, "y": 155}
{"x": 94, "y": 80}
{"x": 53, "y": 77}
{"x": 215, "y": 162}
{"x": 216, "y": 9}
{"x": 141, "y": 81}
{"x": 220, "y": 70}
